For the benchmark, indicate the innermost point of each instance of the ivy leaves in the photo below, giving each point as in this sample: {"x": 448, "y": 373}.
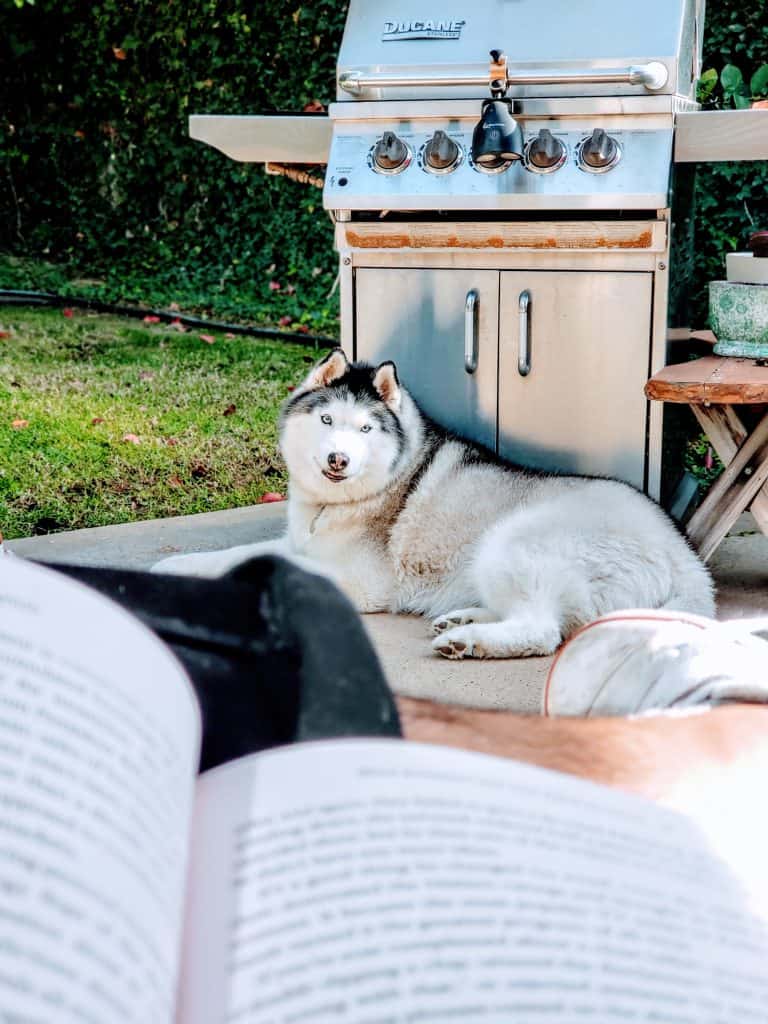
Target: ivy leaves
{"x": 735, "y": 89}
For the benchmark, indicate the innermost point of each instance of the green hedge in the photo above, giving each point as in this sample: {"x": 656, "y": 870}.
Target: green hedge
{"x": 98, "y": 174}
{"x": 98, "y": 171}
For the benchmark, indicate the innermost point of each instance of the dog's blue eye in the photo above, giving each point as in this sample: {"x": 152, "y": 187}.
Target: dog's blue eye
{"x": 325, "y": 418}
{"x": 365, "y": 428}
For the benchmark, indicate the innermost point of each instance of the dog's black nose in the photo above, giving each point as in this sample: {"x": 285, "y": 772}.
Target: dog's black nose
{"x": 338, "y": 461}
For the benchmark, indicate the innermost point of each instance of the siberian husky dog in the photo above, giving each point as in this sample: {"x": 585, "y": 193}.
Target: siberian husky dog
{"x": 405, "y": 517}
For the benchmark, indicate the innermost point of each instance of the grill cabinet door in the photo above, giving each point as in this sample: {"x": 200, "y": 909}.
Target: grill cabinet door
{"x": 581, "y": 408}
{"x": 418, "y": 318}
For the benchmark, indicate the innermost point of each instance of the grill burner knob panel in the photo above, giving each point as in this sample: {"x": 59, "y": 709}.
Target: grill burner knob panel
{"x": 390, "y": 155}
{"x": 545, "y": 153}
{"x": 441, "y": 154}
{"x": 599, "y": 152}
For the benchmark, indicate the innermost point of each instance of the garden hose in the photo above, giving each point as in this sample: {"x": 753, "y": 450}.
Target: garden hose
{"x": 18, "y": 297}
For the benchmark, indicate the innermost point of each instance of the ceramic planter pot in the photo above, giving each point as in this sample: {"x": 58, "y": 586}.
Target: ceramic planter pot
{"x": 738, "y": 314}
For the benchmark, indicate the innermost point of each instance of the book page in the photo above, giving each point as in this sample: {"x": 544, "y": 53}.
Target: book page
{"x": 99, "y": 741}
{"x": 384, "y": 881}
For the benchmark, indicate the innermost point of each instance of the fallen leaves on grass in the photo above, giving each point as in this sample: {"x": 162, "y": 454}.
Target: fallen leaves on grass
{"x": 119, "y": 53}
{"x": 132, "y": 438}
{"x": 271, "y": 496}
{"x": 284, "y": 321}
{"x": 5, "y": 334}
{"x": 207, "y": 338}
{"x": 302, "y": 328}
{"x": 229, "y": 336}
{"x": 174, "y": 481}
{"x": 275, "y": 286}
{"x": 151, "y": 320}
{"x": 230, "y": 410}
{"x": 177, "y": 325}
{"x": 125, "y": 479}
{"x": 19, "y": 424}
{"x": 146, "y": 375}
{"x": 67, "y": 312}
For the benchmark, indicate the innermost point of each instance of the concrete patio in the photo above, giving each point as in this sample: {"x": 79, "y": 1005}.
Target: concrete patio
{"x": 740, "y": 567}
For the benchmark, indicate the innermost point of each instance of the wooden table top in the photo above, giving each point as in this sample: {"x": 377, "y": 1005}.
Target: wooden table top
{"x": 722, "y": 380}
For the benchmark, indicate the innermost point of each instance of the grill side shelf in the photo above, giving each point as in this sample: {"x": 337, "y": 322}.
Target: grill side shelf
{"x": 709, "y": 136}
{"x": 265, "y": 138}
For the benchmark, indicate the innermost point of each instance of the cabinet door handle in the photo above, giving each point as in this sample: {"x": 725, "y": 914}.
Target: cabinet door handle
{"x": 471, "y": 311}
{"x": 524, "y": 350}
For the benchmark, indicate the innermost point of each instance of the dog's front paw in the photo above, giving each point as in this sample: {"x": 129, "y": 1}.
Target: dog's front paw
{"x": 212, "y": 564}
{"x": 461, "y": 617}
{"x": 444, "y": 622}
{"x": 208, "y": 564}
{"x": 455, "y": 646}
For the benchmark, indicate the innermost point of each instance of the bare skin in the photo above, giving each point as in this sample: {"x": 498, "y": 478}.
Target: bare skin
{"x": 710, "y": 764}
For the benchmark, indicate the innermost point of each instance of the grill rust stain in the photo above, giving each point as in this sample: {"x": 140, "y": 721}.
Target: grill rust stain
{"x": 379, "y": 241}
{"x": 425, "y": 240}
{"x": 642, "y": 241}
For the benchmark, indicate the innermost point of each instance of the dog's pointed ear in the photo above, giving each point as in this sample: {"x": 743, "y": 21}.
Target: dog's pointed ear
{"x": 388, "y": 386}
{"x": 328, "y": 370}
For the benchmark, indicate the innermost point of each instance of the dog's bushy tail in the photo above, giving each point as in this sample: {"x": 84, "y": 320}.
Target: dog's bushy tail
{"x": 693, "y": 590}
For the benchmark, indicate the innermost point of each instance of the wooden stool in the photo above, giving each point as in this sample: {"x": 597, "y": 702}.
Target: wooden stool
{"x": 712, "y": 387}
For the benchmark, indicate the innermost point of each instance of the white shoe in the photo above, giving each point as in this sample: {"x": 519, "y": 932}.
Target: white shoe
{"x": 635, "y": 662}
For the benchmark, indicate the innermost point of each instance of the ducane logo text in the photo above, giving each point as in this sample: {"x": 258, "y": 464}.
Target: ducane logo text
{"x": 430, "y": 29}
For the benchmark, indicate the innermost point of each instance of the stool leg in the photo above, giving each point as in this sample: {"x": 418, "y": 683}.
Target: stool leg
{"x": 724, "y": 428}
{"x": 732, "y": 492}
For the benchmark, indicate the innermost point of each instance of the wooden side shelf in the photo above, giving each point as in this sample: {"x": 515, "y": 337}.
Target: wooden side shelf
{"x": 712, "y": 386}
{"x": 715, "y": 379}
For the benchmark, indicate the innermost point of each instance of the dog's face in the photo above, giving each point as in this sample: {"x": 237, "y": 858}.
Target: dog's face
{"x": 340, "y": 432}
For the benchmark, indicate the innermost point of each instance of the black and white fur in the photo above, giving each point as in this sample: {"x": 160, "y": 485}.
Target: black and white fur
{"x": 407, "y": 518}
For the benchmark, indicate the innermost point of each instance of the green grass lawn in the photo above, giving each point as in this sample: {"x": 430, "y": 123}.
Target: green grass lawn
{"x": 104, "y": 420}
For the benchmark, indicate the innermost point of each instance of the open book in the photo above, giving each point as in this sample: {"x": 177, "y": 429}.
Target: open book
{"x": 351, "y": 880}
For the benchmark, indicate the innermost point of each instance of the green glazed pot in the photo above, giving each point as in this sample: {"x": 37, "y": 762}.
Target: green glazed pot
{"x": 738, "y": 314}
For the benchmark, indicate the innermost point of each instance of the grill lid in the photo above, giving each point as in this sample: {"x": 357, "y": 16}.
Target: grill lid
{"x": 407, "y": 49}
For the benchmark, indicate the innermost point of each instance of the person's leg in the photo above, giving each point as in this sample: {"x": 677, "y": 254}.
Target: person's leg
{"x": 698, "y": 689}
{"x": 698, "y": 762}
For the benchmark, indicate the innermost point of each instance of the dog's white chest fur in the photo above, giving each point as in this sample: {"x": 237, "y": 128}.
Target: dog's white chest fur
{"x": 405, "y": 518}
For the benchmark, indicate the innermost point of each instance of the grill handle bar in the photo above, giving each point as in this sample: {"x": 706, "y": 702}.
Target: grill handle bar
{"x": 524, "y": 341}
{"x": 470, "y": 330}
{"x": 653, "y": 76}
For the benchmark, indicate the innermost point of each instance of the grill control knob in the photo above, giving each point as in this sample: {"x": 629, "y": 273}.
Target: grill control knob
{"x": 545, "y": 152}
{"x": 441, "y": 153}
{"x": 599, "y": 152}
{"x": 390, "y": 154}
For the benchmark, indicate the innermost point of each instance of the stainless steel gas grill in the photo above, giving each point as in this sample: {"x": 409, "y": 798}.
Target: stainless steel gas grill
{"x": 499, "y": 173}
